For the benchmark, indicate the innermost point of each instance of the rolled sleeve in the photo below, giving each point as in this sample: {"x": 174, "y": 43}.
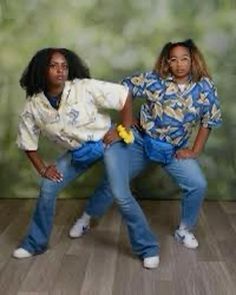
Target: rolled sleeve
{"x": 108, "y": 95}
{"x": 136, "y": 84}
{"x": 212, "y": 116}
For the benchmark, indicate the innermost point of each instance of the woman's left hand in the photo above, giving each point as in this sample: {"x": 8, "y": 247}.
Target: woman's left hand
{"x": 186, "y": 154}
{"x": 111, "y": 136}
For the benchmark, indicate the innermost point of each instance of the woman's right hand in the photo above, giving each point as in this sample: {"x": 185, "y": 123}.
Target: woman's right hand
{"x": 111, "y": 136}
{"x": 52, "y": 173}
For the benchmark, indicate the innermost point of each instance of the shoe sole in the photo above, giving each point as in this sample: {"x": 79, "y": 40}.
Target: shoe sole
{"x": 32, "y": 255}
{"x": 77, "y": 237}
{"x": 22, "y": 257}
{"x": 151, "y": 267}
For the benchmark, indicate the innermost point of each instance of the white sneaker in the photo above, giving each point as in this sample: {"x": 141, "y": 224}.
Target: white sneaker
{"x": 151, "y": 262}
{"x": 79, "y": 228}
{"x": 21, "y": 253}
{"x": 186, "y": 238}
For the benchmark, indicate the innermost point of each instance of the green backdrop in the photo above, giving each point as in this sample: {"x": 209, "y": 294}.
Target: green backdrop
{"x": 116, "y": 38}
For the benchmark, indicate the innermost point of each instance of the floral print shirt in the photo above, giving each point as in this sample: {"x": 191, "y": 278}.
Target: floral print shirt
{"x": 170, "y": 113}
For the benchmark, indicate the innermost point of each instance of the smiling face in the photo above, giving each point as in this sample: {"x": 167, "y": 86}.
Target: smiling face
{"x": 57, "y": 71}
{"x": 180, "y": 63}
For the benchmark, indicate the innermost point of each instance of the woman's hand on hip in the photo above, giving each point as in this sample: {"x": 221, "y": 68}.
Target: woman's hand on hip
{"x": 111, "y": 136}
{"x": 186, "y": 154}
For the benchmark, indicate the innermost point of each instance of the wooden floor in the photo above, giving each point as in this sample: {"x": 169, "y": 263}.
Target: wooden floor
{"x": 101, "y": 263}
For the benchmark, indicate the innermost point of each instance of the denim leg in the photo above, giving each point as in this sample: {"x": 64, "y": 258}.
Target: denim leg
{"x": 142, "y": 240}
{"x": 37, "y": 237}
{"x": 102, "y": 198}
{"x": 188, "y": 175}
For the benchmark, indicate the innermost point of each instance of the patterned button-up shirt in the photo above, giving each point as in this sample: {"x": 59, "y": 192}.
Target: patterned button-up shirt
{"x": 169, "y": 113}
{"x": 79, "y": 117}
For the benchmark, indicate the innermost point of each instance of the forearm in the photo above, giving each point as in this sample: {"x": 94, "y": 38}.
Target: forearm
{"x": 126, "y": 114}
{"x": 126, "y": 120}
{"x": 36, "y": 160}
{"x": 200, "y": 140}
{"x": 46, "y": 171}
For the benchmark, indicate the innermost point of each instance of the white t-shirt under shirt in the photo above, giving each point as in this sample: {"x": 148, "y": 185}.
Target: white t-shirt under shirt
{"x": 79, "y": 118}
{"x": 182, "y": 87}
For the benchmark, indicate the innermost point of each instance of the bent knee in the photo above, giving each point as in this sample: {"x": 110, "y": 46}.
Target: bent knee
{"x": 48, "y": 186}
{"x": 123, "y": 198}
{"x": 199, "y": 184}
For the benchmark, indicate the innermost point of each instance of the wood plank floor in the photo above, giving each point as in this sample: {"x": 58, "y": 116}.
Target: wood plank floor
{"x": 101, "y": 263}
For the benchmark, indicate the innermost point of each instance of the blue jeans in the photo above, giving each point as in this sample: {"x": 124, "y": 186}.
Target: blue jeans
{"x": 185, "y": 172}
{"x": 142, "y": 240}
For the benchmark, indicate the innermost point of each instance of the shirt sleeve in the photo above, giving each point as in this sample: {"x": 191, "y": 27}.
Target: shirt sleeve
{"x": 108, "y": 95}
{"x": 211, "y": 115}
{"x": 136, "y": 84}
{"x": 28, "y": 132}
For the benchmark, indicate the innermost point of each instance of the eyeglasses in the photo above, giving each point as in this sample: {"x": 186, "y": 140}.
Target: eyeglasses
{"x": 183, "y": 60}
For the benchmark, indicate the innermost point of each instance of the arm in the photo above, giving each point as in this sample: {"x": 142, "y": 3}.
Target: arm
{"x": 27, "y": 140}
{"x": 200, "y": 140}
{"x": 126, "y": 116}
{"x": 114, "y": 96}
{"x": 198, "y": 146}
{"x": 126, "y": 113}
{"x": 45, "y": 171}
{"x": 211, "y": 118}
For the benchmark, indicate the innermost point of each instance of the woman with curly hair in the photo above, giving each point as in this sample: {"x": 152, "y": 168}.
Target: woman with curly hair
{"x": 65, "y": 105}
{"x": 179, "y": 95}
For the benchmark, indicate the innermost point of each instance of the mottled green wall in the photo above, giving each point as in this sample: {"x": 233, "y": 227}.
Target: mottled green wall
{"x": 116, "y": 38}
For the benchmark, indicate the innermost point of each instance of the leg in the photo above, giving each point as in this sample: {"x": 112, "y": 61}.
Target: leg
{"x": 102, "y": 198}
{"x": 39, "y": 231}
{"x": 189, "y": 177}
{"x": 142, "y": 239}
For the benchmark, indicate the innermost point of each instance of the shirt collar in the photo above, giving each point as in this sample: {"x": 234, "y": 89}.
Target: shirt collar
{"x": 65, "y": 93}
{"x": 171, "y": 78}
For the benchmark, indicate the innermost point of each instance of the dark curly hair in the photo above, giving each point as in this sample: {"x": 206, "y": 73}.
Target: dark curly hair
{"x": 198, "y": 64}
{"x": 33, "y": 79}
